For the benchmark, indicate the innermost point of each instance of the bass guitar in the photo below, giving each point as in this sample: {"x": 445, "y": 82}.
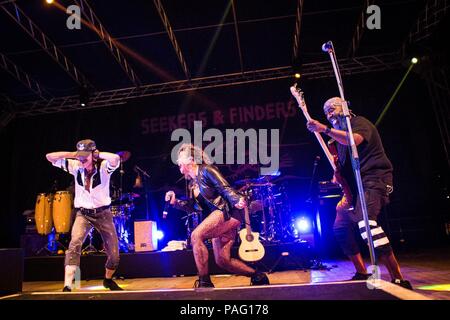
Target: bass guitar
{"x": 330, "y": 152}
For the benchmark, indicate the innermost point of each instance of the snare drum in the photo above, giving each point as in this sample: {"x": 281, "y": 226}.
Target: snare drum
{"x": 43, "y": 214}
{"x": 62, "y": 211}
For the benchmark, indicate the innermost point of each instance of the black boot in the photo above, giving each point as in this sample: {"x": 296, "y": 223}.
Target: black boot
{"x": 402, "y": 283}
{"x": 67, "y": 289}
{"x": 259, "y": 279}
{"x": 203, "y": 282}
{"x": 360, "y": 276}
{"x": 111, "y": 285}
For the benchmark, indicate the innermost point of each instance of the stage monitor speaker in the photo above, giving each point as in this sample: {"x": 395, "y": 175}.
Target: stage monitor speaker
{"x": 145, "y": 238}
{"x": 11, "y": 270}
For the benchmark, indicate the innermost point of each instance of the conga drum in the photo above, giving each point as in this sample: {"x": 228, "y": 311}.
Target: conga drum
{"x": 43, "y": 214}
{"x": 62, "y": 210}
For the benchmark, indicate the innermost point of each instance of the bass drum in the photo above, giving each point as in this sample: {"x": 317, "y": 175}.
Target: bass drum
{"x": 62, "y": 211}
{"x": 43, "y": 214}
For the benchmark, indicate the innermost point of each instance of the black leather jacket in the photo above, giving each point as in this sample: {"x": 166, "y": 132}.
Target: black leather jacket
{"x": 216, "y": 192}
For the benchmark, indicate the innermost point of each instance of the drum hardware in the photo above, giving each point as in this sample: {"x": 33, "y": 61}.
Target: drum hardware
{"x": 122, "y": 207}
{"x": 90, "y": 248}
{"x": 192, "y": 221}
{"x": 124, "y": 156}
{"x": 266, "y": 203}
{"x": 141, "y": 173}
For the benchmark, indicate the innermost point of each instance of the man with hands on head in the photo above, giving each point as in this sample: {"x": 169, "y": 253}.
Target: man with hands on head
{"x": 92, "y": 171}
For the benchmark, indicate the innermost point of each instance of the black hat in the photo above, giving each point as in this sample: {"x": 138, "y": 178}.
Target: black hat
{"x": 85, "y": 147}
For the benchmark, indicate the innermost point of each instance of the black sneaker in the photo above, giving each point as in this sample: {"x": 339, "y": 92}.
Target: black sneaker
{"x": 360, "y": 276}
{"x": 111, "y": 285}
{"x": 67, "y": 289}
{"x": 203, "y": 284}
{"x": 259, "y": 279}
{"x": 403, "y": 283}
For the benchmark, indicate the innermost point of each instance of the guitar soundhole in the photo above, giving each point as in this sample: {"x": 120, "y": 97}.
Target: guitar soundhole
{"x": 249, "y": 237}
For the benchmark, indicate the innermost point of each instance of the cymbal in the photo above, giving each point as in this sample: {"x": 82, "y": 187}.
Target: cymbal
{"x": 124, "y": 155}
{"x": 248, "y": 184}
{"x": 245, "y": 181}
{"x": 261, "y": 181}
{"x": 130, "y": 195}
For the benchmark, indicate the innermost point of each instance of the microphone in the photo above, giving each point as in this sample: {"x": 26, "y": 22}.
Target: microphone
{"x": 327, "y": 46}
{"x": 166, "y": 208}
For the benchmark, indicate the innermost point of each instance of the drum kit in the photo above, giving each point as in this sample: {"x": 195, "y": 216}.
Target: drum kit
{"x": 268, "y": 207}
{"x": 54, "y": 214}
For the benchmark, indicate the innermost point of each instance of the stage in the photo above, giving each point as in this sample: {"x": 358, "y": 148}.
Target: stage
{"x": 298, "y": 255}
{"x": 427, "y": 270}
{"x": 228, "y": 288}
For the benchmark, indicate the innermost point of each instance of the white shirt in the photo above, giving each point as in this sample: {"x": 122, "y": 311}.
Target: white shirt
{"x": 98, "y": 194}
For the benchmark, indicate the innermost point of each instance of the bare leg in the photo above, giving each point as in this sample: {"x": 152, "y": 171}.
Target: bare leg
{"x": 358, "y": 262}
{"x": 222, "y": 252}
{"x": 392, "y": 265}
{"x": 109, "y": 273}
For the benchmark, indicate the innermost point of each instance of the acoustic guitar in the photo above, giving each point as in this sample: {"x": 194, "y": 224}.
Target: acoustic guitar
{"x": 251, "y": 249}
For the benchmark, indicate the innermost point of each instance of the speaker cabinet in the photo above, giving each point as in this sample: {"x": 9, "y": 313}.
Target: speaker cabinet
{"x": 11, "y": 270}
{"x": 145, "y": 238}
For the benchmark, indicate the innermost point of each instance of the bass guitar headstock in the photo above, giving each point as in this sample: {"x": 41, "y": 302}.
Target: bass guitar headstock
{"x": 299, "y": 96}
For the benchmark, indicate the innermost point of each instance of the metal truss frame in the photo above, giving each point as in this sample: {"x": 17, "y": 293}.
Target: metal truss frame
{"x": 359, "y": 30}
{"x": 173, "y": 39}
{"x": 106, "y": 38}
{"x": 23, "y": 77}
{"x": 298, "y": 26}
{"x": 44, "y": 42}
{"x": 428, "y": 19}
{"x": 317, "y": 70}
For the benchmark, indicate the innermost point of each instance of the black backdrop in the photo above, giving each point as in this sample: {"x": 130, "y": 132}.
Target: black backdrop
{"x": 408, "y": 130}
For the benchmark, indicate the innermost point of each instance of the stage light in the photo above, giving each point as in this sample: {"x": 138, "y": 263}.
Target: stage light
{"x": 297, "y": 75}
{"x": 49, "y": 1}
{"x": 302, "y": 225}
{"x": 84, "y": 96}
{"x": 414, "y": 60}
{"x": 159, "y": 235}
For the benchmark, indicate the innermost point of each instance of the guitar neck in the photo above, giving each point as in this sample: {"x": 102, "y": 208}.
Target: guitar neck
{"x": 321, "y": 142}
{"x": 247, "y": 222}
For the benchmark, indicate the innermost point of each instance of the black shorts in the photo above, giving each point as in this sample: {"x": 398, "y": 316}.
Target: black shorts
{"x": 376, "y": 196}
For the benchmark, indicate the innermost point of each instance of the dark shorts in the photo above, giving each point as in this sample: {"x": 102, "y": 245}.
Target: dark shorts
{"x": 235, "y": 213}
{"x": 376, "y": 196}
{"x": 346, "y": 223}
{"x": 238, "y": 214}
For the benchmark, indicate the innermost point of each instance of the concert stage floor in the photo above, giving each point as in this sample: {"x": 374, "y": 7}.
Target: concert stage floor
{"x": 428, "y": 271}
{"x": 354, "y": 290}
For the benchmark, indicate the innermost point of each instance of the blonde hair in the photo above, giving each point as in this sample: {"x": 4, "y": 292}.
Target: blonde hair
{"x": 188, "y": 152}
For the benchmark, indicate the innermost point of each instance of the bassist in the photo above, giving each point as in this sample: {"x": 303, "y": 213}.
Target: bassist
{"x": 376, "y": 174}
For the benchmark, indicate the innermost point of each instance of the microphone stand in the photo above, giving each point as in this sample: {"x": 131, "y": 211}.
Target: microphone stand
{"x": 313, "y": 176}
{"x": 328, "y": 47}
{"x": 146, "y": 177}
